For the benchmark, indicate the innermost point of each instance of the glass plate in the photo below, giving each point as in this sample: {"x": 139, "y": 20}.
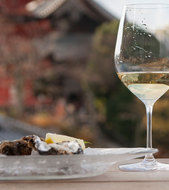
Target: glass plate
{"x": 94, "y": 162}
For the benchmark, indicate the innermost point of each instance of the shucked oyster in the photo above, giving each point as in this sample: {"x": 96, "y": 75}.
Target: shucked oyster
{"x": 25, "y": 146}
{"x": 67, "y": 147}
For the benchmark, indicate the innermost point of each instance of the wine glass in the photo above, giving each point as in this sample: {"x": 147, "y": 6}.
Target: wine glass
{"x": 142, "y": 62}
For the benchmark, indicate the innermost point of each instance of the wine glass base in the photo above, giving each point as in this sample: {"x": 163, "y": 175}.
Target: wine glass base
{"x": 145, "y": 166}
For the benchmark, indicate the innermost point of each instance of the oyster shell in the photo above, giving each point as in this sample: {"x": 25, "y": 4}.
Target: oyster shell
{"x": 25, "y": 145}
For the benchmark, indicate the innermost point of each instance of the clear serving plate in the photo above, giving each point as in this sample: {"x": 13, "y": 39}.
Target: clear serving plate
{"x": 94, "y": 162}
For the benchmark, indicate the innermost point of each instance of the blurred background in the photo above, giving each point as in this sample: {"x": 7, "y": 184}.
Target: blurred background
{"x": 57, "y": 75}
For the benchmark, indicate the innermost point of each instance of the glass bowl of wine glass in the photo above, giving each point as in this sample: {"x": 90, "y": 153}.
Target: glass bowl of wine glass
{"x": 142, "y": 61}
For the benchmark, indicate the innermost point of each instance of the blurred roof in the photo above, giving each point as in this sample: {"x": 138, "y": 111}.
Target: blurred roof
{"x": 43, "y": 8}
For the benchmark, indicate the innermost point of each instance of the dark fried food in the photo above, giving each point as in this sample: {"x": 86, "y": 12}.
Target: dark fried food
{"x": 18, "y": 147}
{"x": 23, "y": 146}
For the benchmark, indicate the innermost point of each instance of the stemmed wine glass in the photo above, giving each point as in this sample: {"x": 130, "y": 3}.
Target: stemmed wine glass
{"x": 142, "y": 62}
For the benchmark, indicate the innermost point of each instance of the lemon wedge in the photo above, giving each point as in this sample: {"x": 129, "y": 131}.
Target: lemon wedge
{"x": 55, "y": 138}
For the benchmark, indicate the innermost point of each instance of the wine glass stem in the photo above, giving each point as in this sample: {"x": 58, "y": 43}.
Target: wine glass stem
{"x": 149, "y": 109}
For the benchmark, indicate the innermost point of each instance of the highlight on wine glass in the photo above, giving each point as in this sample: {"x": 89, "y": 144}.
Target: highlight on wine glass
{"x": 142, "y": 61}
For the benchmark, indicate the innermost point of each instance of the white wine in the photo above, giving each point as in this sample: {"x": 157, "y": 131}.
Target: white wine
{"x": 146, "y": 86}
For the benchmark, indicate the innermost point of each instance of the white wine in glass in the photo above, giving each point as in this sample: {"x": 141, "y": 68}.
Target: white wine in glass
{"x": 148, "y": 87}
{"x": 142, "y": 61}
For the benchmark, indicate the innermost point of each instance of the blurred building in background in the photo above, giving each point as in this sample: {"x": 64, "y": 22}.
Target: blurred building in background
{"x": 62, "y": 33}
{"x": 45, "y": 48}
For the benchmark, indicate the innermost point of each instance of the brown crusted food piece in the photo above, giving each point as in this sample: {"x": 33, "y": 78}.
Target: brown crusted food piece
{"x": 17, "y": 147}
{"x": 23, "y": 146}
{"x": 31, "y": 141}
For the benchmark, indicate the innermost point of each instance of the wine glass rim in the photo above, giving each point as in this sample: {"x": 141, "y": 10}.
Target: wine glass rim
{"x": 147, "y": 5}
{"x": 153, "y": 2}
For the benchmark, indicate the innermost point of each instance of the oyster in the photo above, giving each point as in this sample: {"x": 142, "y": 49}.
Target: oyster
{"x": 67, "y": 147}
{"x": 25, "y": 145}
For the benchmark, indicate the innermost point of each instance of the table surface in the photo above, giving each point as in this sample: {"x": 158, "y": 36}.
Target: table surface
{"x": 113, "y": 179}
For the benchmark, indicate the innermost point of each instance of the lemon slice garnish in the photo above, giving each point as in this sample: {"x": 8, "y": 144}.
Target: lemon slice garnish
{"x": 55, "y": 138}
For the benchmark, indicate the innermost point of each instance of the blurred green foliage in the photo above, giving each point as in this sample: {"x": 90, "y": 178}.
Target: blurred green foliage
{"x": 116, "y": 114}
